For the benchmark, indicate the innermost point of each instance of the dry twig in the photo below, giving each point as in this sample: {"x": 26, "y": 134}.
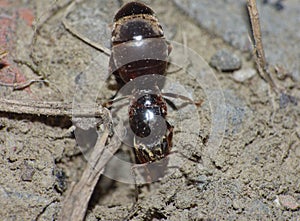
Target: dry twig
{"x": 34, "y": 69}
{"x": 77, "y": 199}
{"x": 259, "y": 50}
{"x": 22, "y": 85}
{"x": 81, "y": 37}
{"x": 3, "y": 53}
{"x": 45, "y": 108}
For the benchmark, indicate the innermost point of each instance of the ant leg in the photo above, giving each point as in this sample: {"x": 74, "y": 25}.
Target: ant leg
{"x": 136, "y": 187}
{"x": 134, "y": 208}
{"x": 171, "y": 104}
{"x": 109, "y": 103}
{"x": 170, "y": 136}
{"x": 187, "y": 99}
{"x": 174, "y": 71}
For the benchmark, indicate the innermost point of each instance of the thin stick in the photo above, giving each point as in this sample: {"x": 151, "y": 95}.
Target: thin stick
{"x": 3, "y": 53}
{"x": 259, "y": 50}
{"x": 45, "y": 16}
{"x": 85, "y": 39}
{"x": 76, "y": 202}
{"x": 45, "y": 108}
{"x": 78, "y": 35}
{"x": 22, "y": 85}
{"x": 34, "y": 69}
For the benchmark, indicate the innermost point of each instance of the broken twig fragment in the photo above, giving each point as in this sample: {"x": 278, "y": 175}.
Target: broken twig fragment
{"x": 78, "y": 35}
{"x": 46, "y": 108}
{"x": 77, "y": 199}
{"x": 259, "y": 50}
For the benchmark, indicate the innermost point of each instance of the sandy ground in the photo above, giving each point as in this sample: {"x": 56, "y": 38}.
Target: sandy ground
{"x": 241, "y": 147}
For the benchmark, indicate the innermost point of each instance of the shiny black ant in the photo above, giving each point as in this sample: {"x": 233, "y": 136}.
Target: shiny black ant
{"x": 140, "y": 51}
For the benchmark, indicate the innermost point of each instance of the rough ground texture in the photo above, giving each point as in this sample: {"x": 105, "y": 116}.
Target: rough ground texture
{"x": 252, "y": 172}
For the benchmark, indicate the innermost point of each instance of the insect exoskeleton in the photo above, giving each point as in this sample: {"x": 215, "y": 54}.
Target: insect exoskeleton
{"x": 139, "y": 61}
{"x": 138, "y": 44}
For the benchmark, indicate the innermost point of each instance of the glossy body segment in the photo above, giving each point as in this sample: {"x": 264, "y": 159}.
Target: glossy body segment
{"x": 133, "y": 8}
{"x": 139, "y": 49}
{"x": 138, "y": 44}
{"x": 145, "y": 114}
{"x": 137, "y": 58}
{"x": 136, "y": 27}
{"x": 153, "y": 134}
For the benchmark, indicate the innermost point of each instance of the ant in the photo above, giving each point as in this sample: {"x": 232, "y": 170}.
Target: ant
{"x": 139, "y": 56}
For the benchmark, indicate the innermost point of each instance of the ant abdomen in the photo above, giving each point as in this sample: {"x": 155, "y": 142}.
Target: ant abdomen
{"x": 138, "y": 44}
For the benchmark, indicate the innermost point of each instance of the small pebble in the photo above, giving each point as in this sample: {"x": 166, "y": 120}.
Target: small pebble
{"x": 225, "y": 60}
{"x": 298, "y": 132}
{"x": 244, "y": 74}
{"x": 202, "y": 181}
{"x": 285, "y": 99}
{"x": 288, "y": 202}
{"x": 27, "y": 172}
{"x": 61, "y": 183}
{"x": 237, "y": 204}
{"x": 297, "y": 150}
